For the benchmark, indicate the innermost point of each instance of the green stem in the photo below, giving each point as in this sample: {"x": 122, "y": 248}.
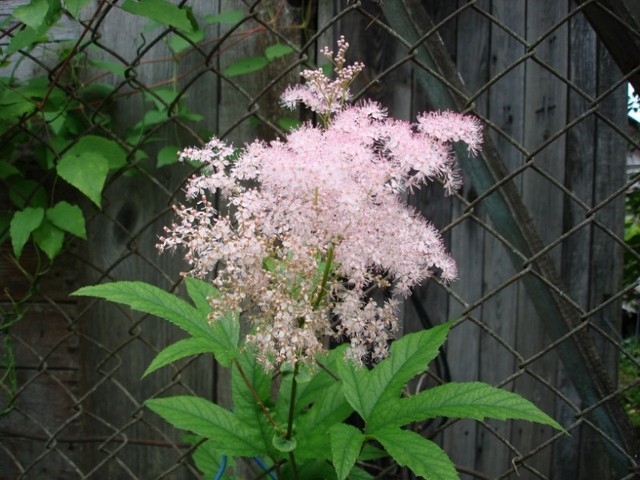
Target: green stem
{"x": 292, "y": 401}
{"x": 292, "y": 407}
{"x": 325, "y": 278}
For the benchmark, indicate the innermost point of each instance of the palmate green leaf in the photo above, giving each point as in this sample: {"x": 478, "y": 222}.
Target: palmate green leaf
{"x": 225, "y": 331}
{"x": 147, "y": 298}
{"x": 369, "y": 391}
{"x": 22, "y": 225}
{"x": 423, "y": 457}
{"x": 181, "y": 349}
{"x": 330, "y": 409}
{"x": 346, "y": 442}
{"x": 245, "y": 405}
{"x": 199, "y": 292}
{"x": 310, "y": 391}
{"x": 474, "y": 400}
{"x": 68, "y": 217}
{"x": 245, "y": 66}
{"x": 202, "y": 417}
{"x": 162, "y": 11}
{"x": 208, "y": 459}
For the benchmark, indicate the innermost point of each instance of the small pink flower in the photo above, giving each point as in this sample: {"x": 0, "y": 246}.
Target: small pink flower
{"x": 318, "y": 218}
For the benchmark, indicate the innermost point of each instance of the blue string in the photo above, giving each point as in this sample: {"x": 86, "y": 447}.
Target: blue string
{"x": 223, "y": 467}
{"x": 258, "y": 460}
{"x": 265, "y": 467}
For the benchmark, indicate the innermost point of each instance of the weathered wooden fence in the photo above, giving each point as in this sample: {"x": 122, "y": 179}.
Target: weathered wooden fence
{"x": 537, "y": 229}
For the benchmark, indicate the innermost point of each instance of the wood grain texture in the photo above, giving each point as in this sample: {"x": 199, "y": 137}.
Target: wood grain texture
{"x": 545, "y": 97}
{"x": 468, "y": 238}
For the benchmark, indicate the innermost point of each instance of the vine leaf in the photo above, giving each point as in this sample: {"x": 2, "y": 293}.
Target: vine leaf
{"x": 69, "y": 218}
{"x": 230, "y": 17}
{"x": 246, "y": 65}
{"x": 277, "y": 50}
{"x": 87, "y": 171}
{"x": 74, "y": 6}
{"x": 167, "y": 156}
{"x": 22, "y": 225}
{"x": 49, "y": 238}
{"x": 163, "y": 12}
{"x": 38, "y": 14}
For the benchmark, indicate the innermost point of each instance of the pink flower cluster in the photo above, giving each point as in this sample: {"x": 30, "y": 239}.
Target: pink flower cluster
{"x": 316, "y": 220}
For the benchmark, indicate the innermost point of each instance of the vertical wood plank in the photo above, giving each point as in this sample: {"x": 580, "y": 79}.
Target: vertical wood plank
{"x": 546, "y": 114}
{"x": 579, "y": 165}
{"x": 468, "y": 238}
{"x": 506, "y": 110}
{"x": 606, "y": 260}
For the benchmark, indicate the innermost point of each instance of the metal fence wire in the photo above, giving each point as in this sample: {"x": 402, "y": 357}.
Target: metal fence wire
{"x": 545, "y": 302}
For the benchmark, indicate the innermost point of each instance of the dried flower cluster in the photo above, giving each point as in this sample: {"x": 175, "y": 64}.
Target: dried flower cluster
{"x": 317, "y": 219}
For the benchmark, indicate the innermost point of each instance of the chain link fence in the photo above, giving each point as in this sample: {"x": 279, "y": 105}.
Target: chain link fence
{"x": 543, "y": 229}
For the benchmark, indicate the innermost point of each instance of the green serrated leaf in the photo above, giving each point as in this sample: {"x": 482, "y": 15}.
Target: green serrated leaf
{"x": 245, "y": 66}
{"x": 346, "y": 442}
{"x": 68, "y": 218}
{"x": 231, "y": 17}
{"x": 167, "y": 156}
{"x": 277, "y": 50}
{"x": 22, "y": 225}
{"x": 49, "y": 238}
{"x": 147, "y": 298}
{"x": 245, "y": 405}
{"x": 222, "y": 334}
{"x": 423, "y": 457}
{"x": 474, "y": 400}
{"x": 227, "y": 434}
{"x": 199, "y": 292}
{"x": 208, "y": 459}
{"x": 331, "y": 408}
{"x": 181, "y": 349}
{"x": 408, "y": 357}
{"x": 162, "y": 11}
{"x": 87, "y": 171}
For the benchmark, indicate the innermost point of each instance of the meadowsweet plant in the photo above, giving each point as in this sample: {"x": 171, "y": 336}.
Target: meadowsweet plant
{"x": 314, "y": 223}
